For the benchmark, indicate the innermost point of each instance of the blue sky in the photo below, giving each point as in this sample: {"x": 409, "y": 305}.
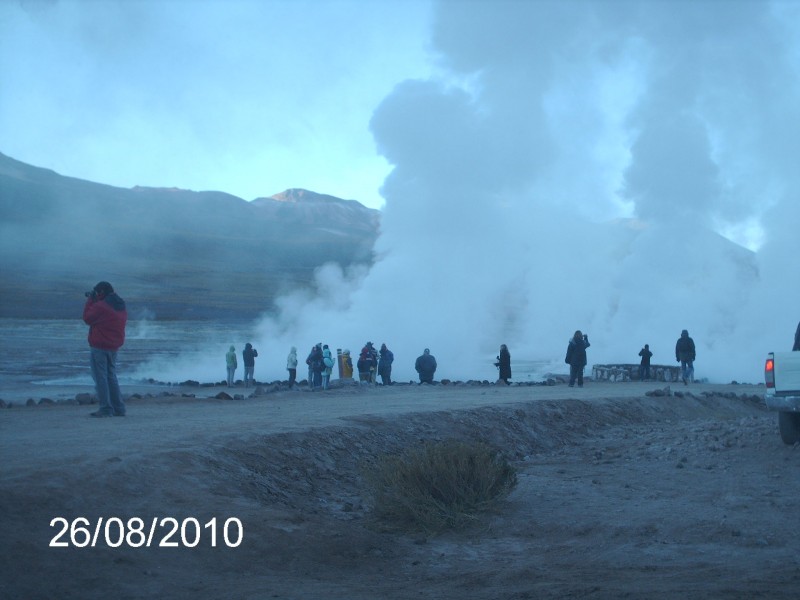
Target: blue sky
{"x": 248, "y": 97}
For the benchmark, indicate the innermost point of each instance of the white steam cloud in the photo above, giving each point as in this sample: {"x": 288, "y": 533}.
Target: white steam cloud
{"x": 571, "y": 167}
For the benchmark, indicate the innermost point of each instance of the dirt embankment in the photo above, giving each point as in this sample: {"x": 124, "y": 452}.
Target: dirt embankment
{"x": 639, "y": 497}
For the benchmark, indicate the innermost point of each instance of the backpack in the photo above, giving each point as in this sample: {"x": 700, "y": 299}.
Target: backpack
{"x": 328, "y": 362}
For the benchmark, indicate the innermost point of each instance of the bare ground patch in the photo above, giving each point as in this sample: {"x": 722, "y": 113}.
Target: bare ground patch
{"x": 640, "y": 498}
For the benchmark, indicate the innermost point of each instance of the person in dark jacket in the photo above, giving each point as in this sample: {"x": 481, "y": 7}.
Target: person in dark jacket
{"x": 315, "y": 367}
{"x": 685, "y": 354}
{"x": 385, "y": 360}
{"x": 796, "y": 339}
{"x": 106, "y": 315}
{"x": 425, "y": 365}
{"x": 249, "y": 357}
{"x": 504, "y": 364}
{"x": 367, "y": 363}
{"x": 644, "y": 365}
{"x": 576, "y": 357}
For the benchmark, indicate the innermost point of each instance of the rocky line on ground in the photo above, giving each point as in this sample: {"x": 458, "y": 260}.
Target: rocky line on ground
{"x": 265, "y": 389}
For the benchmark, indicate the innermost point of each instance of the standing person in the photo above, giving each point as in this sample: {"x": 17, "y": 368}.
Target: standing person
{"x": 367, "y": 361}
{"x": 315, "y": 366}
{"x": 796, "y": 339}
{"x": 373, "y": 364}
{"x": 230, "y": 362}
{"x": 310, "y": 368}
{"x": 576, "y": 357}
{"x": 327, "y": 366}
{"x": 504, "y": 364}
{"x": 385, "y": 365}
{"x": 644, "y": 365}
{"x": 106, "y": 316}
{"x": 425, "y": 365}
{"x": 347, "y": 364}
{"x": 685, "y": 354}
{"x": 291, "y": 366}
{"x": 249, "y": 355}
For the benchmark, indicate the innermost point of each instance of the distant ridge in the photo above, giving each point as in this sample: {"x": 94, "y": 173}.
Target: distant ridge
{"x": 171, "y": 253}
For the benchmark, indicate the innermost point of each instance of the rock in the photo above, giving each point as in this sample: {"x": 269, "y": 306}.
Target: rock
{"x": 3, "y": 403}
{"x": 85, "y": 398}
{"x": 30, "y": 402}
{"x": 223, "y": 396}
{"x": 46, "y": 402}
{"x": 238, "y": 396}
{"x": 190, "y": 383}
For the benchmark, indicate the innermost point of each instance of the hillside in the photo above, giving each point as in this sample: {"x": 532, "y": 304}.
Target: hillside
{"x": 171, "y": 253}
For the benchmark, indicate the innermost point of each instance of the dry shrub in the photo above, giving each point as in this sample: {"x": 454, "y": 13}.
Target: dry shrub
{"x": 439, "y": 486}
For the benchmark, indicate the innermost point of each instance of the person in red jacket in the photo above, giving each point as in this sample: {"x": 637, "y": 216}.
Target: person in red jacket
{"x": 105, "y": 314}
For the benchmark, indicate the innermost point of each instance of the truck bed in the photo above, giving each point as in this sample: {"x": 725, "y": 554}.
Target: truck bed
{"x": 787, "y": 373}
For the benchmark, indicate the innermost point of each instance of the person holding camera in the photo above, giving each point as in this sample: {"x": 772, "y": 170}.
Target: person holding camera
{"x": 576, "y": 357}
{"x": 106, "y": 316}
{"x": 249, "y": 357}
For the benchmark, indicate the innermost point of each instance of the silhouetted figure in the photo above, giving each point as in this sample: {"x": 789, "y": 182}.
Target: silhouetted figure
{"x": 685, "y": 354}
{"x": 425, "y": 365}
{"x": 644, "y": 365}
{"x": 249, "y": 358}
{"x": 576, "y": 357}
{"x": 316, "y": 366}
{"x": 504, "y": 364}
{"x": 796, "y": 339}
{"x": 310, "y": 368}
{"x": 385, "y": 360}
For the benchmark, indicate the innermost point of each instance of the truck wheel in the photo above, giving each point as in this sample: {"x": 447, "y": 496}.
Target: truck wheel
{"x": 789, "y": 425}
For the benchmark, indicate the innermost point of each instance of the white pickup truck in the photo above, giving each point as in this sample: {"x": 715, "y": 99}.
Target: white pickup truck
{"x": 782, "y": 376}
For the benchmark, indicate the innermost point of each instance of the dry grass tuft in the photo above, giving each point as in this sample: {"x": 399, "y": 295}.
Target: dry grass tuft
{"x": 439, "y": 486}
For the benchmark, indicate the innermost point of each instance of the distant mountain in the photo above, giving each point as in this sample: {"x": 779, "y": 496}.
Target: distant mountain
{"x": 171, "y": 253}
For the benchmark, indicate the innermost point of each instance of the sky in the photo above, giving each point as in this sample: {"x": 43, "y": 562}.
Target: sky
{"x": 248, "y": 97}
{"x": 623, "y": 168}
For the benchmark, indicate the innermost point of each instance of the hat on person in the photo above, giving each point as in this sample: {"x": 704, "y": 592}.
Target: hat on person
{"x": 104, "y": 288}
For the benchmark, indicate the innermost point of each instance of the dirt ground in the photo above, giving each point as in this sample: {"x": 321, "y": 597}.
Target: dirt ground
{"x": 621, "y": 494}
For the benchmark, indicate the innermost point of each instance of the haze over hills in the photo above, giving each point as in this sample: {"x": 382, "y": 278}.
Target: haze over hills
{"x": 171, "y": 253}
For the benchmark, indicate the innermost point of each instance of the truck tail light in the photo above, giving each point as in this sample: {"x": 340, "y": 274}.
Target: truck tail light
{"x": 769, "y": 372}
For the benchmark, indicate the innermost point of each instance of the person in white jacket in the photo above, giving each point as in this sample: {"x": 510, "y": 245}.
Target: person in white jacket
{"x": 291, "y": 366}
